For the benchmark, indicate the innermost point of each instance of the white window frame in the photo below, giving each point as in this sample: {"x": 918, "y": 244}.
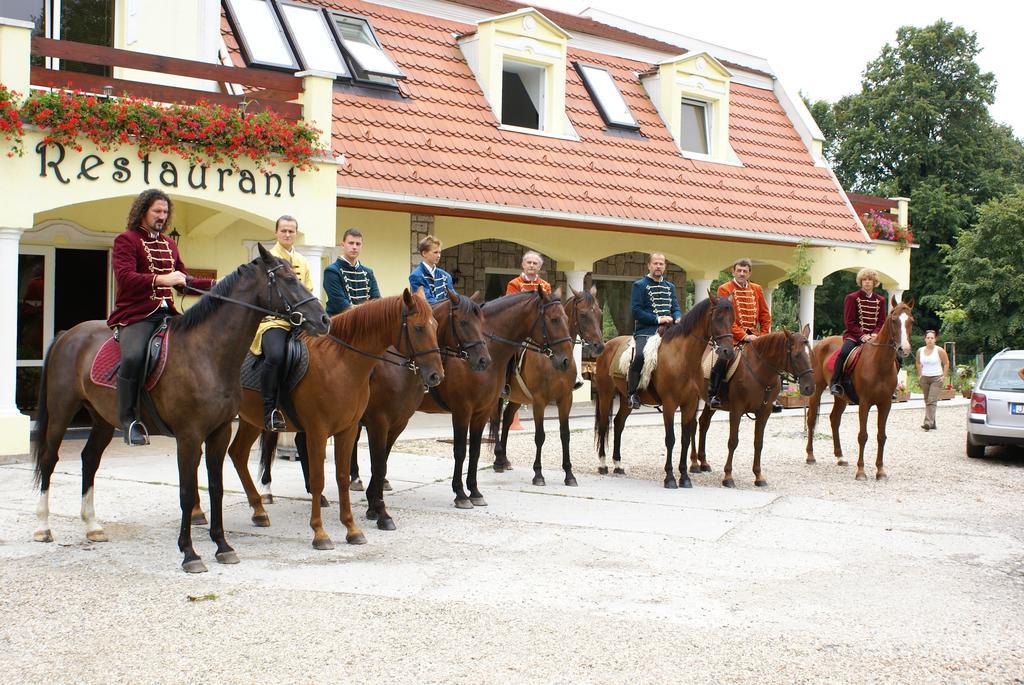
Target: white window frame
{"x": 540, "y": 102}
{"x": 375, "y": 76}
{"x": 244, "y": 43}
{"x": 708, "y": 122}
{"x": 300, "y": 52}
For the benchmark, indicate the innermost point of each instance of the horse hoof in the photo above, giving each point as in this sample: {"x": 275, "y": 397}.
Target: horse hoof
{"x": 705, "y": 468}
{"x": 43, "y": 535}
{"x": 670, "y": 484}
{"x": 200, "y": 520}
{"x": 96, "y": 536}
{"x": 761, "y": 483}
{"x": 324, "y": 502}
{"x": 261, "y": 520}
{"x": 539, "y": 480}
{"x": 695, "y": 468}
{"x": 372, "y": 515}
{"x": 463, "y": 503}
{"x": 498, "y": 468}
{"x": 267, "y": 498}
{"x": 571, "y": 482}
{"x": 323, "y": 543}
{"x": 386, "y": 523}
{"x": 811, "y": 460}
{"x": 842, "y": 462}
{"x": 356, "y": 485}
{"x": 882, "y": 476}
{"x": 860, "y": 476}
{"x": 728, "y": 483}
{"x": 355, "y": 539}
{"x": 686, "y": 484}
{"x": 387, "y": 485}
{"x": 619, "y": 471}
{"x": 229, "y": 557}
{"x": 478, "y": 501}
{"x": 194, "y": 566}
{"x": 603, "y": 470}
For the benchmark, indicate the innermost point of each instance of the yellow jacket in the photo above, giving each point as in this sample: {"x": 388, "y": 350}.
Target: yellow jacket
{"x": 301, "y": 268}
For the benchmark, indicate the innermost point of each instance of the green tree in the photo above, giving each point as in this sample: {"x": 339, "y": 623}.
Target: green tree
{"x": 985, "y": 306}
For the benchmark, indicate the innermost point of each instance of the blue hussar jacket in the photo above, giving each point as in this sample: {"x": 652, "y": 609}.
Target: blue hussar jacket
{"x": 347, "y": 285}
{"x": 651, "y": 299}
{"x": 434, "y": 287}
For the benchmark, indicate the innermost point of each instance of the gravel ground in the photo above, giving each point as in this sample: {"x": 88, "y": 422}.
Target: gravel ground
{"x": 817, "y": 578}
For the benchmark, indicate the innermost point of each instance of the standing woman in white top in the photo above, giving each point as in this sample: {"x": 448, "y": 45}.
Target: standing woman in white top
{"x": 932, "y": 371}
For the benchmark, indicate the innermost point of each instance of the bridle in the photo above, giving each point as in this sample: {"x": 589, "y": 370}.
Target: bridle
{"x": 787, "y": 373}
{"x": 291, "y": 311}
{"x": 575, "y": 324}
{"x": 528, "y": 343}
{"x": 894, "y": 325}
{"x": 462, "y": 351}
{"x": 408, "y": 358}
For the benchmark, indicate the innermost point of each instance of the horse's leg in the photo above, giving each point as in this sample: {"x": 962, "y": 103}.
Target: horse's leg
{"x": 501, "y": 462}
{"x": 239, "y": 452}
{"x": 759, "y": 426}
{"x": 564, "y": 407}
{"x": 835, "y": 418}
{"x": 812, "y": 421}
{"x": 538, "y": 442}
{"x": 189, "y": 454}
{"x": 342, "y": 456}
{"x": 862, "y": 439}
{"x": 668, "y": 415}
{"x": 687, "y": 428}
{"x": 216, "y": 448}
{"x": 476, "y": 434}
{"x": 602, "y": 417}
{"x": 734, "y": 440}
{"x": 99, "y": 437}
{"x": 377, "y": 437}
{"x": 620, "y": 424}
{"x": 268, "y": 450}
{"x": 316, "y": 446}
{"x": 883, "y": 417}
{"x": 57, "y": 420}
{"x": 302, "y": 456}
{"x": 460, "y": 428}
{"x": 699, "y": 460}
{"x": 355, "y": 482}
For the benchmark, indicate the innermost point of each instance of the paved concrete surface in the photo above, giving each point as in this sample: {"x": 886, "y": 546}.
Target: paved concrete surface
{"x": 817, "y": 578}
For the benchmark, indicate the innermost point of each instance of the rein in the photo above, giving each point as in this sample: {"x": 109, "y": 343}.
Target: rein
{"x": 528, "y": 343}
{"x": 409, "y": 359}
{"x": 462, "y": 352}
{"x": 577, "y": 339}
{"x": 290, "y": 313}
{"x": 786, "y": 373}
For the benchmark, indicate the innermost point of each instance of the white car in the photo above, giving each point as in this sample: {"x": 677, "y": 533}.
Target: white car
{"x": 996, "y": 414}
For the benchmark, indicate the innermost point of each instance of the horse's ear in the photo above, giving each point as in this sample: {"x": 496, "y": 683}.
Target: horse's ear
{"x": 910, "y": 303}
{"x": 785, "y": 331}
{"x": 407, "y": 297}
{"x": 557, "y": 295}
{"x": 806, "y": 331}
{"x": 713, "y": 296}
{"x": 575, "y": 293}
{"x": 893, "y": 303}
{"x": 452, "y": 295}
{"x": 264, "y": 252}
{"x": 593, "y": 291}
{"x": 476, "y": 297}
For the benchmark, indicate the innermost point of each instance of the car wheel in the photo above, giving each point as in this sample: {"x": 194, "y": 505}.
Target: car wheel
{"x": 974, "y": 451}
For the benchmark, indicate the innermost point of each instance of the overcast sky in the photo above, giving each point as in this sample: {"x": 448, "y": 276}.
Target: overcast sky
{"x": 821, "y": 48}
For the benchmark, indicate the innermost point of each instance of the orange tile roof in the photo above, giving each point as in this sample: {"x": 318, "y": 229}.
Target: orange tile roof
{"x": 441, "y": 141}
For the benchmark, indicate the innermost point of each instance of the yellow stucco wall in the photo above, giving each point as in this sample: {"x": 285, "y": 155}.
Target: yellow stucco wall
{"x": 385, "y": 244}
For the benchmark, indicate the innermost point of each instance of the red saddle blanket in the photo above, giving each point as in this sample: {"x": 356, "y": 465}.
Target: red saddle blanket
{"x": 851, "y": 361}
{"x": 104, "y": 366}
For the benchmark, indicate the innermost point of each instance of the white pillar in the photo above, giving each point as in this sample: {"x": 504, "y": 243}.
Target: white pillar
{"x": 575, "y": 280}
{"x": 14, "y": 426}
{"x": 700, "y": 288}
{"x": 769, "y": 293}
{"x": 807, "y": 308}
{"x": 314, "y": 254}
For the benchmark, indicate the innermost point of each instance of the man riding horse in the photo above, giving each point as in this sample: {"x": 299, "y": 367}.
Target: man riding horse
{"x": 147, "y": 270}
{"x": 864, "y": 312}
{"x": 653, "y": 302}
{"x": 753, "y": 318}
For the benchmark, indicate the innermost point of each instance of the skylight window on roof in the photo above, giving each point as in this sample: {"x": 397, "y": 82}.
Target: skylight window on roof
{"x": 694, "y": 127}
{"x": 260, "y": 34}
{"x": 317, "y": 47}
{"x": 361, "y": 44}
{"x": 606, "y": 95}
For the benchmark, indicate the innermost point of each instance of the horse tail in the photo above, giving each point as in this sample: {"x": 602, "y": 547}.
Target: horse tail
{"x": 268, "y": 446}
{"x": 38, "y": 436}
{"x": 494, "y": 426}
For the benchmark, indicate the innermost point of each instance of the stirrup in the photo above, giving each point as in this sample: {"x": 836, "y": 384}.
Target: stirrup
{"x": 714, "y": 402}
{"x": 634, "y": 401}
{"x": 506, "y": 392}
{"x": 135, "y": 434}
{"x": 274, "y": 421}
{"x": 577, "y": 385}
{"x": 837, "y": 389}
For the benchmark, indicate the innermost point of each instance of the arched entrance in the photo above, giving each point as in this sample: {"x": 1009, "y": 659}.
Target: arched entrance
{"x": 614, "y": 276}
{"x": 489, "y": 264}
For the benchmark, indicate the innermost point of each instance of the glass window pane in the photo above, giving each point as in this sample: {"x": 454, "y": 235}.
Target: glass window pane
{"x": 262, "y": 35}
{"x": 314, "y": 40}
{"x": 31, "y": 288}
{"x": 362, "y": 47}
{"x": 694, "y": 127}
{"x": 87, "y": 21}
{"x": 1004, "y": 374}
{"x": 607, "y": 96}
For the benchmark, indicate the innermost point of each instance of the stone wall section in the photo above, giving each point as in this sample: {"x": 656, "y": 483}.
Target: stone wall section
{"x": 420, "y": 226}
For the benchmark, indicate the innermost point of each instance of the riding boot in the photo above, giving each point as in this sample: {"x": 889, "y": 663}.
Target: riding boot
{"x": 135, "y": 434}
{"x": 273, "y": 420}
{"x": 632, "y": 383}
{"x": 714, "y": 384}
{"x": 834, "y": 386}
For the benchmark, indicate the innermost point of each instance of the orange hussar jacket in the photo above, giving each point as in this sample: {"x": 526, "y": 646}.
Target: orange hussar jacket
{"x": 752, "y": 312}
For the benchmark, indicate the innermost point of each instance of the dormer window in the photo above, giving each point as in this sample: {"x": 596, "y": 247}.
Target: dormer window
{"x": 606, "y": 95}
{"x": 260, "y": 34}
{"x": 522, "y": 95}
{"x": 364, "y": 50}
{"x": 318, "y": 49}
{"x": 694, "y": 127}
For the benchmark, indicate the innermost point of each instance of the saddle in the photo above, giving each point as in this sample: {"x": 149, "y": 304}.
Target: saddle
{"x": 851, "y": 361}
{"x": 708, "y": 359}
{"x": 296, "y": 363}
{"x": 621, "y": 369}
{"x": 105, "y": 364}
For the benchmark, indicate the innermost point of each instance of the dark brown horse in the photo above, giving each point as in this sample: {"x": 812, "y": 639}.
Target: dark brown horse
{"x": 675, "y": 383}
{"x": 197, "y": 397}
{"x": 523, "y": 321}
{"x": 541, "y": 387}
{"x": 395, "y": 395}
{"x": 331, "y": 397}
{"x": 874, "y": 380}
{"x": 752, "y": 390}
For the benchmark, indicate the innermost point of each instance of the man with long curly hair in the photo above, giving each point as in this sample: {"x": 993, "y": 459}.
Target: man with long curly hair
{"x": 147, "y": 269}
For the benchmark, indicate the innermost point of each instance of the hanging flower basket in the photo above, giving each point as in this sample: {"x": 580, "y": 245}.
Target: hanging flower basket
{"x": 881, "y": 227}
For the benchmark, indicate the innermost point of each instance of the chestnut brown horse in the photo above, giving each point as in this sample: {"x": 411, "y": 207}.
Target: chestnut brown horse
{"x": 752, "y": 390}
{"x": 331, "y": 397}
{"x": 531, "y": 320}
{"x": 675, "y": 383}
{"x": 395, "y": 394}
{"x": 874, "y": 380}
{"x": 540, "y": 387}
{"x": 197, "y": 396}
